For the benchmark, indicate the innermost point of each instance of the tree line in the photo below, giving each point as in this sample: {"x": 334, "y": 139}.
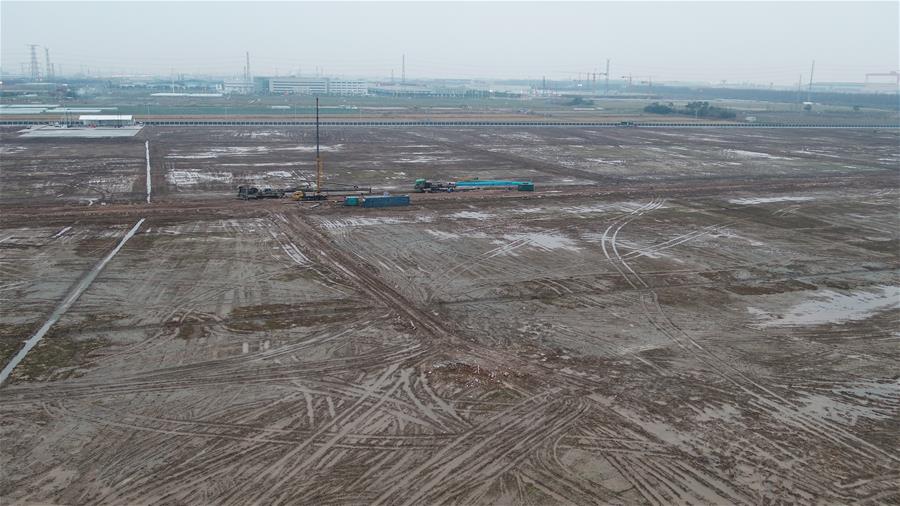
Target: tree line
{"x": 695, "y": 109}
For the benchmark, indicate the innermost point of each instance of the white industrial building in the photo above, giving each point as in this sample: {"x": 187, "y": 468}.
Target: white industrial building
{"x": 237, "y": 87}
{"x": 317, "y": 86}
{"x": 106, "y": 120}
{"x": 347, "y": 87}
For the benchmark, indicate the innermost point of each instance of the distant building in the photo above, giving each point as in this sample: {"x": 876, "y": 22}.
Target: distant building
{"x": 192, "y": 95}
{"x": 401, "y": 90}
{"x": 347, "y": 87}
{"x": 106, "y": 120}
{"x": 316, "y": 86}
{"x": 237, "y": 87}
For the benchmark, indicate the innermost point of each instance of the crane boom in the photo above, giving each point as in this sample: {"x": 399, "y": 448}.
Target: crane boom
{"x": 319, "y": 164}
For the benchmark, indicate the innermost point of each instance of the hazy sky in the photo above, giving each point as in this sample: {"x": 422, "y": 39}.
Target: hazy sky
{"x": 704, "y": 41}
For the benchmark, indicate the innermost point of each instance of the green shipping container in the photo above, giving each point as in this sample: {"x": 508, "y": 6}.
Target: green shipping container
{"x": 351, "y": 201}
{"x": 526, "y": 187}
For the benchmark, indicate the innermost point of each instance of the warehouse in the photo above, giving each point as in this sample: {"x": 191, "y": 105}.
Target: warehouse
{"x": 106, "y": 120}
{"x": 317, "y": 86}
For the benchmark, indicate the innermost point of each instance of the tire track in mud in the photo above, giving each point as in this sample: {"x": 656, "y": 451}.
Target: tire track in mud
{"x": 368, "y": 281}
{"x": 279, "y": 473}
{"x": 517, "y": 444}
{"x": 181, "y": 305}
{"x": 71, "y": 297}
{"x": 333, "y": 437}
{"x": 495, "y": 445}
{"x": 232, "y": 370}
{"x": 480, "y": 262}
{"x": 180, "y": 374}
{"x": 424, "y": 323}
{"x": 768, "y": 401}
{"x": 525, "y": 162}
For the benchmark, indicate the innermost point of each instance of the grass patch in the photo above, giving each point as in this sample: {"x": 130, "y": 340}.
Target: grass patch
{"x": 56, "y": 358}
{"x": 282, "y": 316}
{"x": 89, "y": 322}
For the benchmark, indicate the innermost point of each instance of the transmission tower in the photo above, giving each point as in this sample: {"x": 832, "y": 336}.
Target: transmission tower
{"x": 403, "y": 71}
{"x": 809, "y": 90}
{"x": 606, "y": 75}
{"x": 49, "y": 71}
{"x": 34, "y": 67}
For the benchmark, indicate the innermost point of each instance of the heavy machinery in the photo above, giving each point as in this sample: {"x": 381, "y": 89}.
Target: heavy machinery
{"x": 336, "y": 189}
{"x": 424, "y": 186}
{"x": 321, "y": 192}
{"x": 307, "y": 195}
{"x": 310, "y": 191}
{"x": 320, "y": 165}
{"x": 253, "y": 193}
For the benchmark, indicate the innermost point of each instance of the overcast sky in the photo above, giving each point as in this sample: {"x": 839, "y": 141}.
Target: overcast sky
{"x": 759, "y": 42}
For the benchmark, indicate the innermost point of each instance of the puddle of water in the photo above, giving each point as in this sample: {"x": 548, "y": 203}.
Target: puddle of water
{"x": 441, "y": 235}
{"x": 828, "y": 306}
{"x": 765, "y": 200}
{"x": 859, "y": 400}
{"x": 193, "y": 177}
{"x": 471, "y": 215}
{"x": 753, "y": 154}
{"x": 546, "y": 241}
{"x": 367, "y": 222}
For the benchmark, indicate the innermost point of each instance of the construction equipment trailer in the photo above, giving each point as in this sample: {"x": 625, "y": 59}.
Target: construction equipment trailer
{"x": 425, "y": 186}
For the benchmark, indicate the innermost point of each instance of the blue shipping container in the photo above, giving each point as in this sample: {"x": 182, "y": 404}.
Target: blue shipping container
{"x": 387, "y": 201}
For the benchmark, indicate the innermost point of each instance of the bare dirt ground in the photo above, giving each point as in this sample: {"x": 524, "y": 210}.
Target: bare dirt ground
{"x": 681, "y": 316}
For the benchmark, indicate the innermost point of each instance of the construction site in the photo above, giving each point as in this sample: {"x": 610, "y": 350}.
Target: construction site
{"x": 536, "y": 315}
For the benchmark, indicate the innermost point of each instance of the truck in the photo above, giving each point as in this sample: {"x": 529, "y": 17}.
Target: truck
{"x": 425, "y": 186}
{"x": 253, "y": 193}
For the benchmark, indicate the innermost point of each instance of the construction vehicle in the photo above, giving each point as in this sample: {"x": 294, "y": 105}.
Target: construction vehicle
{"x": 320, "y": 165}
{"x": 307, "y": 195}
{"x": 309, "y": 191}
{"x": 424, "y": 186}
{"x": 253, "y": 193}
{"x": 337, "y": 189}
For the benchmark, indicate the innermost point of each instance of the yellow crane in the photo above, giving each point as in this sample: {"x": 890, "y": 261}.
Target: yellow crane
{"x": 319, "y": 164}
{"x": 320, "y": 169}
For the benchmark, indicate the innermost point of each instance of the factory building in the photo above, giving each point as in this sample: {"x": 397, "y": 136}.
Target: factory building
{"x": 316, "y": 86}
{"x": 347, "y": 87}
{"x": 106, "y": 120}
{"x": 237, "y": 87}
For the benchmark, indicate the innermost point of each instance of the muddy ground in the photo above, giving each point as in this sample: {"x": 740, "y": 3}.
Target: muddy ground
{"x": 675, "y": 316}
